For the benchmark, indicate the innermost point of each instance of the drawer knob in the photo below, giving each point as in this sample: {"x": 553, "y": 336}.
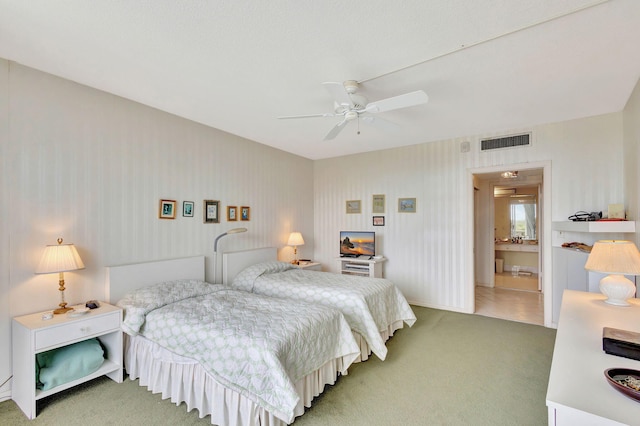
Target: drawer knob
{"x": 85, "y": 330}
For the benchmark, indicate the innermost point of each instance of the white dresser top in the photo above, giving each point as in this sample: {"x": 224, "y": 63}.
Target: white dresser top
{"x": 577, "y": 378}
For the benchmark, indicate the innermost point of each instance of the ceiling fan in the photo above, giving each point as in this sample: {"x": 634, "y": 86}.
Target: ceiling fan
{"x": 351, "y": 106}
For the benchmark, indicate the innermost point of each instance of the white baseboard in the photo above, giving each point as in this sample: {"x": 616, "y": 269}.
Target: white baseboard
{"x": 5, "y": 395}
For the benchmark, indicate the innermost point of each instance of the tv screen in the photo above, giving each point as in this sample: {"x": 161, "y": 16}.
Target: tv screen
{"x": 357, "y": 243}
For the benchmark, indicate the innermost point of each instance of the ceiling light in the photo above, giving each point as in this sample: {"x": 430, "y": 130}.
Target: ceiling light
{"x": 504, "y": 191}
{"x": 510, "y": 175}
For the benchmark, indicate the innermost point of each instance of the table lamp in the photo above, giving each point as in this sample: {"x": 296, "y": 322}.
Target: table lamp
{"x": 295, "y": 240}
{"x": 60, "y": 258}
{"x": 616, "y": 258}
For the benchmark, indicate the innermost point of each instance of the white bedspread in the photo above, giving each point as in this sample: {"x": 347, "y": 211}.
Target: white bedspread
{"x": 255, "y": 345}
{"x": 370, "y": 305}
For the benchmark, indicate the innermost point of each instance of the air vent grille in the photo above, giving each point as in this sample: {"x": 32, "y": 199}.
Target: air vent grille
{"x": 506, "y": 142}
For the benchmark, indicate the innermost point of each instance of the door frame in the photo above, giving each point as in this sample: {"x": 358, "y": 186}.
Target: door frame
{"x": 544, "y": 237}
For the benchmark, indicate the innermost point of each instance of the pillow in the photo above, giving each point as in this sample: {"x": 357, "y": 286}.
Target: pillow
{"x": 138, "y": 303}
{"x": 62, "y": 365}
{"x": 245, "y": 279}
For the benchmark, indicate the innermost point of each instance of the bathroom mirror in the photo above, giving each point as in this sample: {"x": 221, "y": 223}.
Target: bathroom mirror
{"x": 523, "y": 214}
{"x": 516, "y": 213}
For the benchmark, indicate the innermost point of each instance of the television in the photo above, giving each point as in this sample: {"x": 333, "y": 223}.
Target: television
{"x": 357, "y": 243}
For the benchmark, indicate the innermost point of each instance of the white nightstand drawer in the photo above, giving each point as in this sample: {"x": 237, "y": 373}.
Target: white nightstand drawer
{"x": 75, "y": 330}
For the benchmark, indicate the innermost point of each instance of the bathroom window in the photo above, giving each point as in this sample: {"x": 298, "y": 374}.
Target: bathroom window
{"x": 524, "y": 219}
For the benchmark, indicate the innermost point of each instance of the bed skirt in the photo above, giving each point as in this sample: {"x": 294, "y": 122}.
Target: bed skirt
{"x": 365, "y": 349}
{"x": 184, "y": 380}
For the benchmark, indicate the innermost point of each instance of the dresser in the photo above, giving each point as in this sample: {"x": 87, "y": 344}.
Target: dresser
{"x": 578, "y": 393}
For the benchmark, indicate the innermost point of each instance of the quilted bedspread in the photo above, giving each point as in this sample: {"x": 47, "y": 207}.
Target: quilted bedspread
{"x": 255, "y": 345}
{"x": 370, "y": 305}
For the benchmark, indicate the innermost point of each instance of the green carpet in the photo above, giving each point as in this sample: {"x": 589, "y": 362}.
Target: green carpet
{"x": 448, "y": 369}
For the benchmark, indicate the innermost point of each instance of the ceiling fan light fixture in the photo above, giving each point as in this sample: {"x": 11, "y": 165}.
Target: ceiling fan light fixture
{"x": 350, "y": 115}
{"x": 350, "y": 105}
{"x": 351, "y": 86}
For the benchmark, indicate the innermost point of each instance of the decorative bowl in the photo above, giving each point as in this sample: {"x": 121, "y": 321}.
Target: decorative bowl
{"x": 624, "y": 380}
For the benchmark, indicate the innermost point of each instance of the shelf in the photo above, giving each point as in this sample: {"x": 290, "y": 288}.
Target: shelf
{"x": 595, "y": 226}
{"x": 362, "y": 266}
{"x": 107, "y": 367}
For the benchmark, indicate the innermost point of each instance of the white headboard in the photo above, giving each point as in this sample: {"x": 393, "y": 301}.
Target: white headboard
{"x": 122, "y": 279}
{"x": 234, "y": 262}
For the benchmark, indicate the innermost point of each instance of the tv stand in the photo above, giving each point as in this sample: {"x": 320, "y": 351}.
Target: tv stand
{"x": 364, "y": 266}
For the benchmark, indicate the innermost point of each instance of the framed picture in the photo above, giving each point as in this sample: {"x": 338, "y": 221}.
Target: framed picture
{"x": 211, "y": 211}
{"x": 232, "y": 213}
{"x": 167, "y": 209}
{"x": 406, "y": 205}
{"x": 187, "y": 208}
{"x": 353, "y": 206}
{"x": 378, "y": 221}
{"x": 245, "y": 213}
{"x": 378, "y": 203}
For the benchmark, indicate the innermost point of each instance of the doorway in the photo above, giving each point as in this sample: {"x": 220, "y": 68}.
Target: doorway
{"x": 509, "y": 229}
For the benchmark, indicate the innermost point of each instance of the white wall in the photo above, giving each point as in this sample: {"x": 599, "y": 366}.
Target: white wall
{"x": 430, "y": 256}
{"x": 631, "y": 119}
{"x": 5, "y": 176}
{"x": 91, "y": 167}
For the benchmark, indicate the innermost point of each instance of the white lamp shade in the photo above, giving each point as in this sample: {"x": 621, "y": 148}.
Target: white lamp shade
{"x": 59, "y": 258}
{"x": 295, "y": 239}
{"x": 614, "y": 257}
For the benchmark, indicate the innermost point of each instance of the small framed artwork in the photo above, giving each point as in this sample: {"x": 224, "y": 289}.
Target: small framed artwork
{"x": 378, "y": 203}
{"x": 354, "y": 206}
{"x": 232, "y": 213}
{"x": 378, "y": 221}
{"x": 406, "y": 205}
{"x": 211, "y": 211}
{"x": 187, "y": 208}
{"x": 245, "y": 213}
{"x": 167, "y": 209}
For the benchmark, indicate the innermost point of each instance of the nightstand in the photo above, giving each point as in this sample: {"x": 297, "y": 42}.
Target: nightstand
{"x": 32, "y": 334}
{"x": 311, "y": 266}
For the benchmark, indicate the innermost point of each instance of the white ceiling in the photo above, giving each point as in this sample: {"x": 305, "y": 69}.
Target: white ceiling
{"x": 488, "y": 66}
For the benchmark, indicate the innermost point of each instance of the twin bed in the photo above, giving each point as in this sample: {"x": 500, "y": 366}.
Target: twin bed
{"x": 243, "y": 358}
{"x": 374, "y": 307}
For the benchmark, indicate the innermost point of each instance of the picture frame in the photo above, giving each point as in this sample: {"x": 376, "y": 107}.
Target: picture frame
{"x": 353, "y": 206}
{"x": 406, "y": 205}
{"x": 232, "y": 213}
{"x": 378, "y": 221}
{"x": 378, "y": 203}
{"x": 167, "y": 209}
{"x": 187, "y": 208}
{"x": 245, "y": 213}
{"x": 211, "y": 211}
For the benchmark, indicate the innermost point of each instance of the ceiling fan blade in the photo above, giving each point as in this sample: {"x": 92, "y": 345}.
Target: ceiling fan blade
{"x": 339, "y": 93}
{"x": 379, "y": 123}
{"x": 307, "y": 116}
{"x": 401, "y": 101}
{"x": 336, "y": 129}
